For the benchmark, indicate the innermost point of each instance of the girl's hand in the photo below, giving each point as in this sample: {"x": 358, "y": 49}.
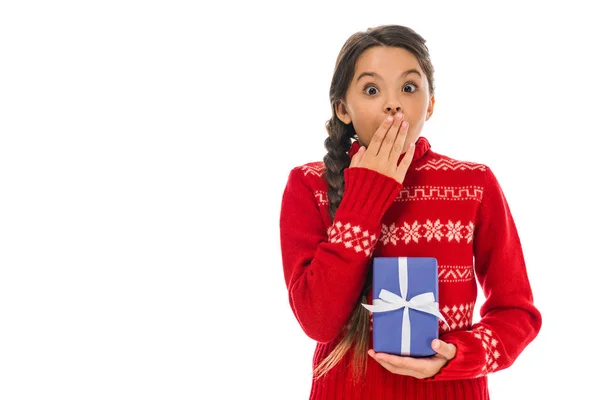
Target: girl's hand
{"x": 385, "y": 148}
{"x": 417, "y": 367}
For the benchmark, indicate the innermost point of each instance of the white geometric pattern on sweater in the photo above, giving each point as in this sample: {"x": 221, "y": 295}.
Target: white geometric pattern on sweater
{"x": 453, "y": 165}
{"x": 352, "y": 236}
{"x": 491, "y": 352}
{"x": 415, "y": 193}
{"x": 321, "y": 197}
{"x": 458, "y": 316}
{"x": 313, "y": 169}
{"x": 455, "y": 273}
{"x": 453, "y": 231}
{"x": 412, "y": 193}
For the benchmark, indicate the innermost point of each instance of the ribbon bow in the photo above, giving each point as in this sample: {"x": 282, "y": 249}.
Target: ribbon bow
{"x": 389, "y": 301}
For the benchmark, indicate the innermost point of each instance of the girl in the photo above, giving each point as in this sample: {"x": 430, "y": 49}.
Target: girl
{"x": 381, "y": 191}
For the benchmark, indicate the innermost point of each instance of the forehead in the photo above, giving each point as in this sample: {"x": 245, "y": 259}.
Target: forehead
{"x": 386, "y": 61}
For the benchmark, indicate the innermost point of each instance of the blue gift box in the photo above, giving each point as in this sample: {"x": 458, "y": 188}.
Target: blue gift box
{"x": 405, "y": 305}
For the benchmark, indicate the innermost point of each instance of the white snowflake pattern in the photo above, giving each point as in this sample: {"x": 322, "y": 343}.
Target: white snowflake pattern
{"x": 470, "y": 229}
{"x": 388, "y": 234}
{"x": 454, "y": 231}
{"x": 411, "y": 232}
{"x": 433, "y": 230}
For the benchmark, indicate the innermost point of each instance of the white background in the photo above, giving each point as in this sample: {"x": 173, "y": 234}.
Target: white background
{"x": 144, "y": 148}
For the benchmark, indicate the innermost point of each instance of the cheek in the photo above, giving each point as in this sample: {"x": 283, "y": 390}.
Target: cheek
{"x": 365, "y": 123}
{"x": 415, "y": 128}
{"x": 365, "y": 129}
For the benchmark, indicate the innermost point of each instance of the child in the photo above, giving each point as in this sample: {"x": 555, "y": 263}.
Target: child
{"x": 381, "y": 191}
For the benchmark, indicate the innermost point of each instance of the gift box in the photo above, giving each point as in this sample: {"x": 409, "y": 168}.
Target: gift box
{"x": 405, "y": 305}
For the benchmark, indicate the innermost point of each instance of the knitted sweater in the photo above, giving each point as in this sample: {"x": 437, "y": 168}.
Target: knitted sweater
{"x": 452, "y": 210}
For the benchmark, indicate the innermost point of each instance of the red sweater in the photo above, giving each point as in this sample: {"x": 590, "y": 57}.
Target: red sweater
{"x": 452, "y": 210}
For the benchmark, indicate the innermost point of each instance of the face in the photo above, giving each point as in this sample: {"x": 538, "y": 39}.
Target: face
{"x": 386, "y": 80}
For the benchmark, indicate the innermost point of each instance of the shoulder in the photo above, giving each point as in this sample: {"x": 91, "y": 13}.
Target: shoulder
{"x": 308, "y": 179}
{"x": 443, "y": 170}
{"x": 440, "y": 162}
{"x": 466, "y": 172}
{"x": 311, "y": 171}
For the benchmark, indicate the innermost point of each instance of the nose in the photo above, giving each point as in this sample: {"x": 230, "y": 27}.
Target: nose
{"x": 392, "y": 106}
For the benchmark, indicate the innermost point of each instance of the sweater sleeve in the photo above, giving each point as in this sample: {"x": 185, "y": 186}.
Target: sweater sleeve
{"x": 325, "y": 267}
{"x": 509, "y": 320}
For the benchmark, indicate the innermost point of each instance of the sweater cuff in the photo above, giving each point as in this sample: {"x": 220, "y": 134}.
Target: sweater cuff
{"x": 469, "y": 361}
{"x": 368, "y": 193}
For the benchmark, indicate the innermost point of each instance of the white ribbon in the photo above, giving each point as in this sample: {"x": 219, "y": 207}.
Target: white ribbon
{"x": 389, "y": 301}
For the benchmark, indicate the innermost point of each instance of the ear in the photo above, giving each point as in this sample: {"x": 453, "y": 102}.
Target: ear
{"x": 342, "y": 112}
{"x": 430, "y": 107}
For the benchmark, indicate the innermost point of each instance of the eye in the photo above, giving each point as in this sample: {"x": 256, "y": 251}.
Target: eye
{"x": 371, "y": 90}
{"x": 412, "y": 84}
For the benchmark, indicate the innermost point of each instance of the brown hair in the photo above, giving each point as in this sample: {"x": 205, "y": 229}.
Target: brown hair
{"x": 337, "y": 160}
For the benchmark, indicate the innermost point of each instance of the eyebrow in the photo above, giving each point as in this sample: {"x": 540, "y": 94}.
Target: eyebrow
{"x": 374, "y": 75}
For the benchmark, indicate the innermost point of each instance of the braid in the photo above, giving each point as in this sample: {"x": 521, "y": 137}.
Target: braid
{"x": 336, "y": 160}
{"x": 356, "y": 330}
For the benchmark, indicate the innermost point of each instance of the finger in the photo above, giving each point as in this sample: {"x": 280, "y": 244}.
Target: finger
{"x": 397, "y": 369}
{"x": 392, "y": 368}
{"x": 399, "y": 142}
{"x": 416, "y": 367}
{"x": 447, "y": 350}
{"x": 397, "y": 361}
{"x": 357, "y": 157}
{"x": 408, "y": 157}
{"x": 382, "y": 361}
{"x": 390, "y": 137}
{"x": 407, "y": 363}
{"x": 377, "y": 139}
{"x": 404, "y": 164}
